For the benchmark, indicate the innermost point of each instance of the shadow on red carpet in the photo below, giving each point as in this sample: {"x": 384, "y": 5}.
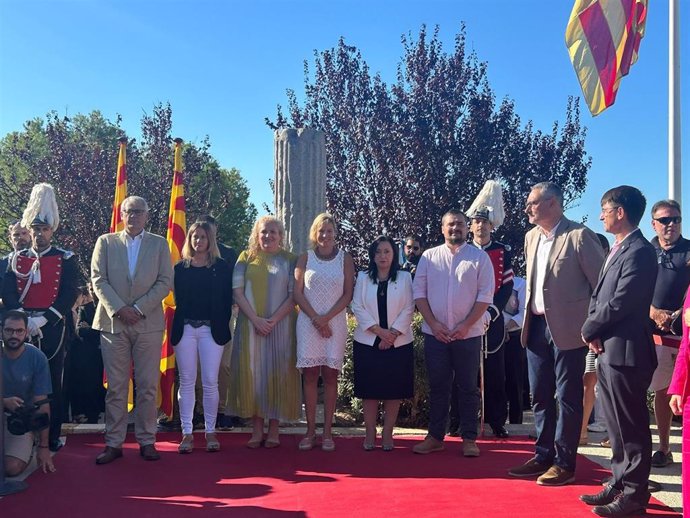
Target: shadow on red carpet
{"x": 286, "y": 482}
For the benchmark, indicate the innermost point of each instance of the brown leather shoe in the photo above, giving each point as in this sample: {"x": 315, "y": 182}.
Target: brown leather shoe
{"x": 149, "y": 452}
{"x": 556, "y": 476}
{"x": 428, "y": 445}
{"x": 470, "y": 448}
{"x": 108, "y": 455}
{"x": 531, "y": 468}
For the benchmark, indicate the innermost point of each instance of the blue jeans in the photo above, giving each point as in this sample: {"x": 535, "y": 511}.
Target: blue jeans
{"x": 555, "y": 372}
{"x": 461, "y": 358}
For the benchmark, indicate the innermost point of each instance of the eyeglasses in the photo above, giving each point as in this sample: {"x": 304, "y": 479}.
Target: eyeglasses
{"x": 610, "y": 209}
{"x": 415, "y": 248}
{"x": 536, "y": 202}
{"x": 134, "y": 212}
{"x": 667, "y": 220}
{"x": 10, "y": 331}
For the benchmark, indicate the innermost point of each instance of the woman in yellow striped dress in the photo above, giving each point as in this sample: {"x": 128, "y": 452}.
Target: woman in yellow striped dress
{"x": 264, "y": 382}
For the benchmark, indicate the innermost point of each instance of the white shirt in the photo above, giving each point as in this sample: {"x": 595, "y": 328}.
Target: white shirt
{"x": 133, "y": 247}
{"x": 452, "y": 283}
{"x": 541, "y": 259}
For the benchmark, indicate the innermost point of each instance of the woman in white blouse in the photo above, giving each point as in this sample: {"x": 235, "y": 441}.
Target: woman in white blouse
{"x": 382, "y": 349}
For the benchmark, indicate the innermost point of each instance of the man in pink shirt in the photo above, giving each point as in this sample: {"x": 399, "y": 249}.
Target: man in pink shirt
{"x": 453, "y": 287}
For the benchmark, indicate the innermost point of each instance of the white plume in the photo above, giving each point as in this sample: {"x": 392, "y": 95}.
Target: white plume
{"x": 491, "y": 198}
{"x": 42, "y": 205}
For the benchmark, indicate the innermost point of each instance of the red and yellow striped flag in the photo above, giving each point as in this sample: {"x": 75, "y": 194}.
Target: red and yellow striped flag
{"x": 177, "y": 229}
{"x": 603, "y": 38}
{"x": 116, "y": 224}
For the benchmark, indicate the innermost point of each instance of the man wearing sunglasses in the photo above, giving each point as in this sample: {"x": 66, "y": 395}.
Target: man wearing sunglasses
{"x": 413, "y": 249}
{"x": 673, "y": 263}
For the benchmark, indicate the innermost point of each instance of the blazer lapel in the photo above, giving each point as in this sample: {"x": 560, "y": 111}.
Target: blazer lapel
{"x": 558, "y": 244}
{"x": 617, "y": 257}
{"x": 122, "y": 238}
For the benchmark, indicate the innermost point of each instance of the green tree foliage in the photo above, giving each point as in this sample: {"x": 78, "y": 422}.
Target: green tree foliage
{"x": 400, "y": 155}
{"x": 78, "y": 156}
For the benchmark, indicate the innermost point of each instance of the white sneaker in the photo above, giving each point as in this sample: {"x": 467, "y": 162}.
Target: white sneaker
{"x": 597, "y": 428}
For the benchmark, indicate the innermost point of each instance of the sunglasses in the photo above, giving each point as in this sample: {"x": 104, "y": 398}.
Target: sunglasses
{"x": 667, "y": 220}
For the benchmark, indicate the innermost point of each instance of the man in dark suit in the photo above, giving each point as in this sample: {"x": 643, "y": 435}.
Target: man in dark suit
{"x": 563, "y": 262}
{"x": 619, "y": 331}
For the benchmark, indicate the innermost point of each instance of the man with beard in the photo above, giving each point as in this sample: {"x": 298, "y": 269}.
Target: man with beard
{"x": 453, "y": 287}
{"x": 20, "y": 239}
{"x": 563, "y": 263}
{"x": 43, "y": 281}
{"x": 414, "y": 247}
{"x": 26, "y": 381}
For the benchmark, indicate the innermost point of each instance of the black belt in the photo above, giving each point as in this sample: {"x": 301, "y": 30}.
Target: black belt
{"x": 196, "y": 324}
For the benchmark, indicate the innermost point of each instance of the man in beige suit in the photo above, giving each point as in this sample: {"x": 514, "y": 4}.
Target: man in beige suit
{"x": 563, "y": 263}
{"x": 131, "y": 272}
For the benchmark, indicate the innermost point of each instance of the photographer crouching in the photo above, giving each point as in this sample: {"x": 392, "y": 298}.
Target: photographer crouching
{"x": 27, "y": 385}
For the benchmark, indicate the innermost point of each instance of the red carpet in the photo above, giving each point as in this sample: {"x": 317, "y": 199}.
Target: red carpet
{"x": 286, "y": 482}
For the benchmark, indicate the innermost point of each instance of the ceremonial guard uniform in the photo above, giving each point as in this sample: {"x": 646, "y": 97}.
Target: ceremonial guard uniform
{"x": 44, "y": 284}
{"x": 495, "y": 399}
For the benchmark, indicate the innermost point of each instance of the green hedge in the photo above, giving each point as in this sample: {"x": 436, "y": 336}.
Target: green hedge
{"x": 414, "y": 413}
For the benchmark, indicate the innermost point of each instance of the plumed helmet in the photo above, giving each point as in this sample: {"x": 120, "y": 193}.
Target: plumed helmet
{"x": 488, "y": 204}
{"x": 42, "y": 208}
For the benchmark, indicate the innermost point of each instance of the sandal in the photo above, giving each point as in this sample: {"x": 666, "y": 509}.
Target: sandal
{"x": 388, "y": 446}
{"x": 327, "y": 444}
{"x": 212, "y": 443}
{"x": 368, "y": 446}
{"x": 254, "y": 443}
{"x": 187, "y": 444}
{"x": 271, "y": 443}
{"x": 307, "y": 443}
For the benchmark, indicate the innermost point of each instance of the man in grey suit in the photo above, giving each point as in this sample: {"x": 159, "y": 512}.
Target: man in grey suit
{"x": 619, "y": 331}
{"x": 131, "y": 272}
{"x": 563, "y": 263}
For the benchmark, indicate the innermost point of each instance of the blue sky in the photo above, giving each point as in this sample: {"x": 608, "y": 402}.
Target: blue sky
{"x": 224, "y": 66}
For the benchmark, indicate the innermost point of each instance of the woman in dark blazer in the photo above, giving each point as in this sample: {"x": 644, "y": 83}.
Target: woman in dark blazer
{"x": 201, "y": 327}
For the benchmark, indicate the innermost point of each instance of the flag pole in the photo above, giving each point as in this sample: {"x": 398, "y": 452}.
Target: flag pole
{"x": 674, "y": 133}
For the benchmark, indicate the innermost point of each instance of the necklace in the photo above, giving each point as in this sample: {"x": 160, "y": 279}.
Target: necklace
{"x": 326, "y": 257}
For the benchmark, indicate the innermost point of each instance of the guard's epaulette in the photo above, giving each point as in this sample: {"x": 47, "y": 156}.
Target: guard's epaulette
{"x": 66, "y": 254}
{"x": 501, "y": 243}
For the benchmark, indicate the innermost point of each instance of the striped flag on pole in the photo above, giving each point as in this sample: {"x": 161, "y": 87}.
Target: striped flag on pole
{"x": 177, "y": 229}
{"x": 603, "y": 38}
{"x": 116, "y": 224}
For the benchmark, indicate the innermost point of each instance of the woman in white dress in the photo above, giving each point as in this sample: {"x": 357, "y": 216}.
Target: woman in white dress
{"x": 324, "y": 280}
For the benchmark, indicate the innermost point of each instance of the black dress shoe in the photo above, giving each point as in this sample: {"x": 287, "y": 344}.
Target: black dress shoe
{"x": 603, "y": 497}
{"x": 108, "y": 455}
{"x": 500, "y": 431}
{"x": 149, "y": 452}
{"x": 621, "y": 506}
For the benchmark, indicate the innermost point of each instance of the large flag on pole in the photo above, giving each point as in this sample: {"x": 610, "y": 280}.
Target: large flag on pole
{"x": 116, "y": 224}
{"x": 603, "y": 38}
{"x": 177, "y": 229}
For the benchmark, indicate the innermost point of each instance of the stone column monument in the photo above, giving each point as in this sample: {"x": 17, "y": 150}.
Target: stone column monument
{"x": 300, "y": 182}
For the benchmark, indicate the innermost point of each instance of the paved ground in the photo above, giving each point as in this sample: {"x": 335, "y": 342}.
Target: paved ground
{"x": 668, "y": 477}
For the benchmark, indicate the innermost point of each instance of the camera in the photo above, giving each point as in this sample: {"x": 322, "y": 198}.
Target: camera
{"x": 27, "y": 419}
